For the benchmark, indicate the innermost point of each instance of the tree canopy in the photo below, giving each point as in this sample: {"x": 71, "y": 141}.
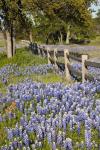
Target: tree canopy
{"x": 51, "y": 18}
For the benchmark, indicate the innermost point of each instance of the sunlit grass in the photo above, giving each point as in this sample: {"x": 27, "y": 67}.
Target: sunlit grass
{"x": 23, "y": 57}
{"x": 2, "y": 43}
{"x": 47, "y": 78}
{"x": 95, "y": 41}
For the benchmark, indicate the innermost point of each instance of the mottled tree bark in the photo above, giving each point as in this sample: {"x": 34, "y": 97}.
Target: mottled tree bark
{"x": 9, "y": 45}
{"x": 61, "y": 38}
{"x": 13, "y": 43}
{"x": 5, "y": 39}
{"x": 68, "y": 34}
{"x": 30, "y": 37}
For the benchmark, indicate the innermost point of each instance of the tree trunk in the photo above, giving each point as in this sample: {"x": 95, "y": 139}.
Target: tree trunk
{"x": 61, "y": 38}
{"x": 47, "y": 40}
{"x": 9, "y": 45}
{"x": 5, "y": 39}
{"x": 30, "y": 37}
{"x": 13, "y": 45}
{"x": 68, "y": 34}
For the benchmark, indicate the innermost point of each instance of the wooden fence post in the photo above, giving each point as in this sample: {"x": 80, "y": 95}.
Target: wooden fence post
{"x": 43, "y": 53}
{"x": 48, "y": 55}
{"x": 67, "y": 73}
{"x": 39, "y": 47}
{"x": 84, "y": 68}
{"x": 55, "y": 59}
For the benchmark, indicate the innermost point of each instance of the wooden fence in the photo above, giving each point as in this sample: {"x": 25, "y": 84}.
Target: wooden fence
{"x": 54, "y": 53}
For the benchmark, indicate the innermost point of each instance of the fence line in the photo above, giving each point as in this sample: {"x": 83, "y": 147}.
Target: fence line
{"x": 84, "y": 67}
{"x": 67, "y": 62}
{"x": 53, "y": 54}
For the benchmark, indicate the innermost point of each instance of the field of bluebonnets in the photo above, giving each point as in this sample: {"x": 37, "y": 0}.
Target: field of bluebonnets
{"x": 39, "y": 111}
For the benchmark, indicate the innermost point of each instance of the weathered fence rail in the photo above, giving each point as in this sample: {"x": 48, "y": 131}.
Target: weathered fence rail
{"x": 53, "y": 53}
{"x": 93, "y": 63}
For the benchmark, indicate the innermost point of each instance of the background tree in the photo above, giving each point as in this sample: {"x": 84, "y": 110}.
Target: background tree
{"x": 70, "y": 12}
{"x": 98, "y": 17}
{"x": 97, "y": 23}
{"x": 13, "y": 17}
{"x": 44, "y": 19}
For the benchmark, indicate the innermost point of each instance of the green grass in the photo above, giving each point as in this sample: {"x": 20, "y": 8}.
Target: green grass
{"x": 48, "y": 78}
{"x": 2, "y": 43}
{"x": 9, "y": 124}
{"x": 2, "y": 88}
{"x": 23, "y": 57}
{"x": 95, "y": 42}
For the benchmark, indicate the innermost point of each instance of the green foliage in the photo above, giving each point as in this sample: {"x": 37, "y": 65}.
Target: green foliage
{"x": 96, "y": 41}
{"x": 98, "y": 17}
{"x": 12, "y": 14}
{"x": 50, "y": 18}
{"x": 53, "y": 18}
{"x": 98, "y": 14}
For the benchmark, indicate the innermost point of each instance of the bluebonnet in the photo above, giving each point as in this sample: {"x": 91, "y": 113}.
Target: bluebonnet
{"x": 49, "y": 137}
{"x": 10, "y": 134}
{"x": 53, "y": 146}
{"x": 26, "y": 139}
{"x": 78, "y": 127}
{"x": 1, "y": 119}
{"x": 72, "y": 107}
{"x": 88, "y": 138}
{"x": 7, "y": 70}
{"x": 15, "y": 143}
{"x": 68, "y": 144}
{"x": 59, "y": 138}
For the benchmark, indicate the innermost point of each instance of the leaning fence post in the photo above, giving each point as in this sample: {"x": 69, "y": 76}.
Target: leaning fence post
{"x": 67, "y": 72}
{"x": 84, "y": 68}
{"x": 48, "y": 55}
{"x": 43, "y": 53}
{"x": 55, "y": 59}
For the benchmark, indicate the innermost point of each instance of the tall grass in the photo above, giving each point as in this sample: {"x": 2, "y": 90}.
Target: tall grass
{"x": 23, "y": 57}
